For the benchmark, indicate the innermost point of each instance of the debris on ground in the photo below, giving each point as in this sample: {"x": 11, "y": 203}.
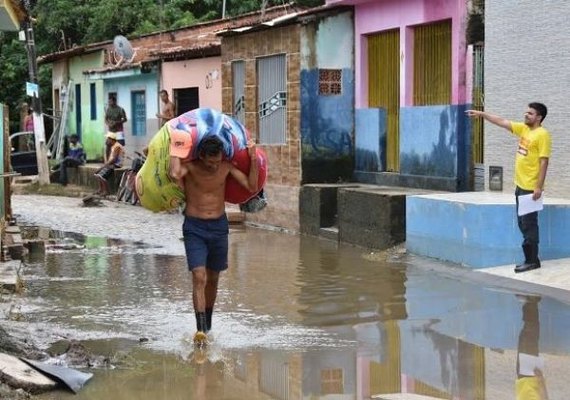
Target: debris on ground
{"x": 92, "y": 201}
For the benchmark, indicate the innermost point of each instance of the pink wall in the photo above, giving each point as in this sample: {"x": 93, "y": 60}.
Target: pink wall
{"x": 379, "y": 15}
{"x": 192, "y": 73}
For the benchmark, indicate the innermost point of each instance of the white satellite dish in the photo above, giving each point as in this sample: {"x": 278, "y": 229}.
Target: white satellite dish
{"x": 123, "y": 50}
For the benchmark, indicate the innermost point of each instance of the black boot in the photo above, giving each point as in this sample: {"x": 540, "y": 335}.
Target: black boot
{"x": 531, "y": 258}
{"x": 527, "y": 256}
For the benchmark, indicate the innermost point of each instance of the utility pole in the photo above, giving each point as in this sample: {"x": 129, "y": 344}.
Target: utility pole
{"x": 39, "y": 131}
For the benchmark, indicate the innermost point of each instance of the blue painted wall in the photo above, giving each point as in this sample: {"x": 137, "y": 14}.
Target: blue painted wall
{"x": 480, "y": 234}
{"x": 499, "y": 309}
{"x": 327, "y": 121}
{"x": 435, "y": 141}
{"x": 370, "y": 140}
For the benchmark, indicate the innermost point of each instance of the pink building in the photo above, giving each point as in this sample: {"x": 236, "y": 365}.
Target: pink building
{"x": 411, "y": 92}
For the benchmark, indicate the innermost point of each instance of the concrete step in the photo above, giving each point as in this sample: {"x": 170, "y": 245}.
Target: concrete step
{"x": 330, "y": 233}
{"x": 13, "y": 242}
{"x": 9, "y": 275}
{"x": 20, "y": 375}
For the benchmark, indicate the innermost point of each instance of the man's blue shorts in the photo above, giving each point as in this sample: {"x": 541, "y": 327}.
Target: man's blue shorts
{"x": 206, "y": 242}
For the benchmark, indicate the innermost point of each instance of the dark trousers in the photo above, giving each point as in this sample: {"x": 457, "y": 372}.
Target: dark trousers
{"x": 528, "y": 224}
{"x": 67, "y": 162}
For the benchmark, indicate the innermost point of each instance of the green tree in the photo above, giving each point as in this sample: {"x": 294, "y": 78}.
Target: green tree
{"x": 61, "y": 24}
{"x": 14, "y": 67}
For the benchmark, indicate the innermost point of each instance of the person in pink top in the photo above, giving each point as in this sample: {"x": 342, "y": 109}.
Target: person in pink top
{"x": 29, "y": 121}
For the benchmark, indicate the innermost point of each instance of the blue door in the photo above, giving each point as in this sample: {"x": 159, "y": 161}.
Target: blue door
{"x": 138, "y": 107}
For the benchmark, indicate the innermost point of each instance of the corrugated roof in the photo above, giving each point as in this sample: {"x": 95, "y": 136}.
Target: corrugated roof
{"x": 282, "y": 20}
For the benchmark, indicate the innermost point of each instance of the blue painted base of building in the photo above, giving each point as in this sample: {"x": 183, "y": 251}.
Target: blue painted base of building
{"x": 479, "y": 229}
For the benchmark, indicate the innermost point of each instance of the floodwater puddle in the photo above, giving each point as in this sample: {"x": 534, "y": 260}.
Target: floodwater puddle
{"x": 296, "y": 318}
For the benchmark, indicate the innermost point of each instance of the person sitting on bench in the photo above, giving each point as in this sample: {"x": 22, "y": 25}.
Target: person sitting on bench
{"x": 74, "y": 157}
{"x": 114, "y": 160}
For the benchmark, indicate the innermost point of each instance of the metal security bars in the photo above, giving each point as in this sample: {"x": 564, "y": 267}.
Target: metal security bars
{"x": 272, "y": 98}
{"x": 432, "y": 64}
{"x": 478, "y": 102}
{"x": 384, "y": 88}
{"x": 238, "y": 79}
{"x": 330, "y": 82}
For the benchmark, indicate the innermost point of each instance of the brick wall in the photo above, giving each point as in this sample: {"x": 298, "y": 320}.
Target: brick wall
{"x": 527, "y": 54}
{"x": 284, "y": 176}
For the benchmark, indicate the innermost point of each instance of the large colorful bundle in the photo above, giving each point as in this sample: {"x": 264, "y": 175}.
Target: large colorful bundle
{"x": 158, "y": 192}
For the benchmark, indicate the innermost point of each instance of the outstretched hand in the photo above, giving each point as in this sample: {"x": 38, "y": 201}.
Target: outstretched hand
{"x": 474, "y": 113}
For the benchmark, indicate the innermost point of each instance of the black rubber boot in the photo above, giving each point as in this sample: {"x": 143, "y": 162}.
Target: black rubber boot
{"x": 531, "y": 258}
{"x": 527, "y": 256}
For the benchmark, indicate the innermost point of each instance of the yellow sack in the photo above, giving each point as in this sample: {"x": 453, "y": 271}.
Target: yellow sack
{"x": 156, "y": 190}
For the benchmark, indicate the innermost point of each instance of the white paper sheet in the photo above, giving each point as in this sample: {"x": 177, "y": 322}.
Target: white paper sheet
{"x": 528, "y": 205}
{"x": 528, "y": 362}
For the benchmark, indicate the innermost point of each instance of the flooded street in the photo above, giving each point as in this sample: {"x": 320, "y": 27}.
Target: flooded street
{"x": 296, "y": 318}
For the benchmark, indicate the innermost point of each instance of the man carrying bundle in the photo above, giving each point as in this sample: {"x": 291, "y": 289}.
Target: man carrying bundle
{"x": 205, "y": 225}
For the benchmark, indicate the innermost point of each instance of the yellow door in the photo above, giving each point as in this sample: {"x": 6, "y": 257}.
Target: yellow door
{"x": 384, "y": 88}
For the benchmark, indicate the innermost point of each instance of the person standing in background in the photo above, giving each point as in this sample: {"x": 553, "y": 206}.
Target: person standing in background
{"x": 115, "y": 117}
{"x": 168, "y": 108}
{"x": 29, "y": 120}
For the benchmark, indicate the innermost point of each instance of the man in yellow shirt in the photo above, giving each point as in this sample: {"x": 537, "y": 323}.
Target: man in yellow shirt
{"x": 530, "y": 383}
{"x": 531, "y": 164}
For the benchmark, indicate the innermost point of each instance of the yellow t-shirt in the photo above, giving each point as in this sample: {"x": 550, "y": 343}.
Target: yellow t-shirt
{"x": 533, "y": 145}
{"x": 528, "y": 388}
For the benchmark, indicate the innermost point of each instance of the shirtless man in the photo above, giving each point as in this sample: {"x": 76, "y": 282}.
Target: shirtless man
{"x": 167, "y": 109}
{"x": 206, "y": 226}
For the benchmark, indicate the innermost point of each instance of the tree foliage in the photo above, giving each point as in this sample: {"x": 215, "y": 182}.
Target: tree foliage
{"x": 61, "y": 24}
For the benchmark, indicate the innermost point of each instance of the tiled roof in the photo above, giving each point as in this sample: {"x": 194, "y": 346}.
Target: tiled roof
{"x": 194, "y": 41}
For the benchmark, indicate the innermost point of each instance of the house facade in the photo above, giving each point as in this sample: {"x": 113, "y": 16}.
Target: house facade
{"x": 411, "y": 93}
{"x": 290, "y": 82}
{"x": 12, "y": 15}
{"x": 185, "y": 62}
{"x": 137, "y": 93}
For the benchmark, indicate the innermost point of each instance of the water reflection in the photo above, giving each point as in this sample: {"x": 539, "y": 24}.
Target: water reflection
{"x": 531, "y": 383}
{"x": 300, "y": 318}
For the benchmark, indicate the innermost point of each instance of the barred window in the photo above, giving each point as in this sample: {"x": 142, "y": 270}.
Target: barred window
{"x": 272, "y": 99}
{"x": 330, "y": 82}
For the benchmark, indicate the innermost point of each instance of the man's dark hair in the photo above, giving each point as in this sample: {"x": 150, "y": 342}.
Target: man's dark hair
{"x": 540, "y": 109}
{"x": 73, "y": 136}
{"x": 211, "y": 146}
{"x": 163, "y": 91}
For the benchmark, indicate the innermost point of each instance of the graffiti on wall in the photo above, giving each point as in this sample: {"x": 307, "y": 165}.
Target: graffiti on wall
{"x": 326, "y": 129}
{"x": 370, "y": 140}
{"x": 432, "y": 141}
{"x": 326, "y": 121}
